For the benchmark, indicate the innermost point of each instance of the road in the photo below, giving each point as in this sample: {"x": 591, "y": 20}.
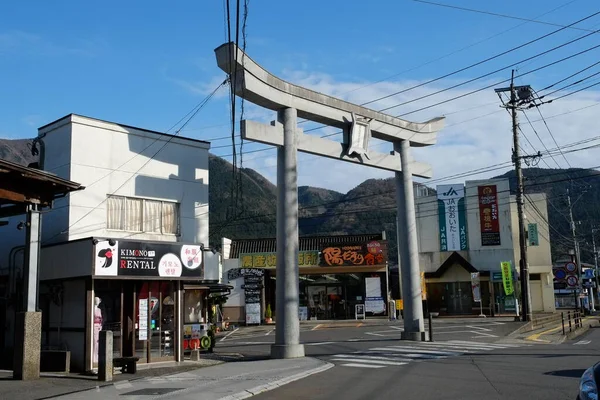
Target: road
{"x": 462, "y": 363}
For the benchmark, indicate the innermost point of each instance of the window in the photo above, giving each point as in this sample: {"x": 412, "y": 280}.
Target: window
{"x": 142, "y": 215}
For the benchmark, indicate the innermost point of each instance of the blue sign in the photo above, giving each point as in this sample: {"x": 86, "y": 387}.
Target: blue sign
{"x": 560, "y": 273}
{"x": 588, "y": 274}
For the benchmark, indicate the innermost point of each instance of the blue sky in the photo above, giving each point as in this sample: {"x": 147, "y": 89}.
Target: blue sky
{"x": 147, "y": 63}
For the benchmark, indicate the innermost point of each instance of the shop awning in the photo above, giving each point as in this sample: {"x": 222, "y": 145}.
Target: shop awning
{"x": 212, "y": 287}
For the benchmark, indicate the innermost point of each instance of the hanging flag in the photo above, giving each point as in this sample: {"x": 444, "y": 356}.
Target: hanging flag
{"x": 507, "y": 278}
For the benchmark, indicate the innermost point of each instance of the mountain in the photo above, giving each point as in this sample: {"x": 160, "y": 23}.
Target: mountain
{"x": 583, "y": 187}
{"x": 369, "y": 207}
{"x": 16, "y": 151}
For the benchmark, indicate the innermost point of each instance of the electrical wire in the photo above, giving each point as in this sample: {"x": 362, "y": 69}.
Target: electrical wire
{"x": 196, "y": 111}
{"x": 497, "y": 14}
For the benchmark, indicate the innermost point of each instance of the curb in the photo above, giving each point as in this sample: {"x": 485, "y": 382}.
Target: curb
{"x": 274, "y": 385}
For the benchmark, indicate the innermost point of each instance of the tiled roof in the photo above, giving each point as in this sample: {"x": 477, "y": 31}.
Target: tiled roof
{"x": 307, "y": 243}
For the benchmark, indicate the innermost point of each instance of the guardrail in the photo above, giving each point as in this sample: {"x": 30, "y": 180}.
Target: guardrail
{"x": 570, "y": 319}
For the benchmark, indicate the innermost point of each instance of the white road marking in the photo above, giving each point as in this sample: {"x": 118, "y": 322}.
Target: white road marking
{"x": 362, "y": 366}
{"x": 367, "y": 361}
{"x": 493, "y": 345}
{"x": 418, "y": 352}
{"x": 318, "y": 343}
{"x": 393, "y": 357}
{"x": 483, "y": 334}
{"x": 374, "y": 334}
{"x": 316, "y": 326}
{"x": 230, "y": 333}
{"x": 122, "y": 385}
{"x": 268, "y": 333}
{"x": 583, "y": 342}
{"x": 398, "y": 328}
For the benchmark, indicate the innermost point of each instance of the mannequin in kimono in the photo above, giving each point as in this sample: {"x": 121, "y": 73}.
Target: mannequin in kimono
{"x": 97, "y": 326}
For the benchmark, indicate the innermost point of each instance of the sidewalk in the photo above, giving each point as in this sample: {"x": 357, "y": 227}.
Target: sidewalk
{"x": 553, "y": 334}
{"x": 236, "y": 380}
{"x": 55, "y": 384}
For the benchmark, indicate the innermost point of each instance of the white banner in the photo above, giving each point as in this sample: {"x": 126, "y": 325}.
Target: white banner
{"x": 476, "y": 286}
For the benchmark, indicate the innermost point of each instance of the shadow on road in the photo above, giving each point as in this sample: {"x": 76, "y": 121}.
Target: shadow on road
{"x": 567, "y": 373}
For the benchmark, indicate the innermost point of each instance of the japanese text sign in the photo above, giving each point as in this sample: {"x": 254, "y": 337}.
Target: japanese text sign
{"x": 371, "y": 253}
{"x": 488, "y": 215}
{"x": 452, "y": 217}
{"x": 269, "y": 260}
{"x": 507, "y": 279}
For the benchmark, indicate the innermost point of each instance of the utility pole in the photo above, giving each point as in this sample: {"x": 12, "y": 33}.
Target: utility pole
{"x": 520, "y": 95}
{"x": 577, "y": 255}
{"x": 594, "y": 230}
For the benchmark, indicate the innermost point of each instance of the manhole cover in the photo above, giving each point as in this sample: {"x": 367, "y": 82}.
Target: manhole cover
{"x": 151, "y": 392}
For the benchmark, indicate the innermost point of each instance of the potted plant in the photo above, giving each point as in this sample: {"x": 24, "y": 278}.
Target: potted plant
{"x": 268, "y": 314}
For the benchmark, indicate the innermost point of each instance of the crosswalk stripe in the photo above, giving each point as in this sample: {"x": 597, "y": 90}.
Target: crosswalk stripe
{"x": 369, "y": 357}
{"x": 475, "y": 346}
{"x": 403, "y": 349}
{"x": 367, "y": 361}
{"x": 493, "y": 345}
{"x": 458, "y": 346}
{"x": 362, "y": 365}
{"x": 411, "y": 355}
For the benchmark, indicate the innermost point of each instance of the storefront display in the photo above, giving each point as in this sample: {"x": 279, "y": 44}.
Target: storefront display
{"x": 97, "y": 327}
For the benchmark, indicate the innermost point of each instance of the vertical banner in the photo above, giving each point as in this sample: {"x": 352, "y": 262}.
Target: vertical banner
{"x": 488, "y": 215}
{"x": 476, "y": 286}
{"x": 423, "y": 287}
{"x": 507, "y": 278}
{"x": 452, "y": 217}
{"x": 532, "y": 235}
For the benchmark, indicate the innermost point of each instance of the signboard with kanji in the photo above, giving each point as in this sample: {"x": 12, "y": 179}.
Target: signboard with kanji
{"x": 452, "y": 217}
{"x": 488, "y": 213}
{"x": 507, "y": 280}
{"x": 269, "y": 260}
{"x": 371, "y": 253}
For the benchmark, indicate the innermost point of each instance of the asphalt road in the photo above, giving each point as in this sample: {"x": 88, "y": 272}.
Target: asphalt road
{"x": 329, "y": 339}
{"x": 460, "y": 364}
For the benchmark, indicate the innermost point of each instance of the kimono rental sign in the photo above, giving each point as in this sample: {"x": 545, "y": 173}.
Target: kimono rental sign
{"x": 452, "y": 217}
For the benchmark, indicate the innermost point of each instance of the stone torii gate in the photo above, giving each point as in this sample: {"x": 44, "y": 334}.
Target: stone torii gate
{"x": 255, "y": 84}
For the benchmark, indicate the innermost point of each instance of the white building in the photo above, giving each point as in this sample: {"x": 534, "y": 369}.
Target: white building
{"x": 462, "y": 231}
{"x": 135, "y": 238}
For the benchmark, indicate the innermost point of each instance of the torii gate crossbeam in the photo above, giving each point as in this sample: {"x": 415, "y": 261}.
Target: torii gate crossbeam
{"x": 255, "y": 84}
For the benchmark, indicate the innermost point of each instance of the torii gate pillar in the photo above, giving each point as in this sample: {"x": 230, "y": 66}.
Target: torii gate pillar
{"x": 287, "y": 330}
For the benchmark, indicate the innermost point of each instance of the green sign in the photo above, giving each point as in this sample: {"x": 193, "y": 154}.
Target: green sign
{"x": 532, "y": 230}
{"x": 269, "y": 260}
{"x": 507, "y": 278}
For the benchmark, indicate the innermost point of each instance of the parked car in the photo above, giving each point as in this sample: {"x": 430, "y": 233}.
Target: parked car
{"x": 588, "y": 383}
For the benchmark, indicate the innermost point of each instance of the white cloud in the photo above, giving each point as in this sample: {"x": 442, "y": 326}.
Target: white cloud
{"x": 477, "y": 133}
{"x": 34, "y": 120}
{"x": 203, "y": 87}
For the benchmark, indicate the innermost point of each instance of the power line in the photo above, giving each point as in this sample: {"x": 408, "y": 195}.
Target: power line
{"x": 497, "y": 14}
{"x": 422, "y": 203}
{"x": 487, "y": 60}
{"x": 201, "y": 105}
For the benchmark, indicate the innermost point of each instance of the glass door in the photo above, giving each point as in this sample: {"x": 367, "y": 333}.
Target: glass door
{"x": 155, "y": 327}
{"x": 162, "y": 321}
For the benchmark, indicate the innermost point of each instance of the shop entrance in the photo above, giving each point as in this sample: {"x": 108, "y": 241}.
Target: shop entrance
{"x": 326, "y": 302}
{"x": 141, "y": 316}
{"x": 459, "y": 299}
